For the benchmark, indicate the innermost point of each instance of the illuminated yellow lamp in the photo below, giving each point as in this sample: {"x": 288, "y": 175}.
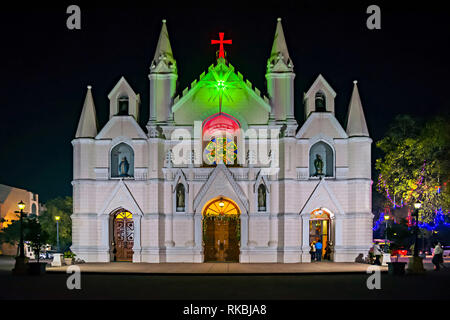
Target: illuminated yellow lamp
{"x": 57, "y": 218}
{"x": 417, "y": 205}
{"x": 21, "y": 205}
{"x": 386, "y": 217}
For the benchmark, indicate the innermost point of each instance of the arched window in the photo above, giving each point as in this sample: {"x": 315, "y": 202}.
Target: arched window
{"x": 33, "y": 209}
{"x": 262, "y": 202}
{"x": 320, "y": 101}
{"x": 122, "y": 161}
{"x": 220, "y": 137}
{"x": 321, "y": 160}
{"x": 180, "y": 195}
{"x": 122, "y": 103}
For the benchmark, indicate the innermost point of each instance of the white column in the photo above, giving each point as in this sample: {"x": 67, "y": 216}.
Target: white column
{"x": 168, "y": 223}
{"x": 137, "y": 250}
{"x": 198, "y": 232}
{"x": 244, "y": 231}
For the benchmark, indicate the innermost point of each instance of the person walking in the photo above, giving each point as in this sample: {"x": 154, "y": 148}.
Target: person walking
{"x": 437, "y": 257}
{"x": 377, "y": 253}
{"x": 327, "y": 255}
{"x": 319, "y": 251}
{"x": 312, "y": 251}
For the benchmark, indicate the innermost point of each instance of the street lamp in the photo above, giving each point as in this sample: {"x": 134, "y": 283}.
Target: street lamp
{"x": 20, "y": 266}
{"x": 415, "y": 262}
{"x": 386, "y": 219}
{"x": 57, "y": 218}
{"x": 417, "y": 206}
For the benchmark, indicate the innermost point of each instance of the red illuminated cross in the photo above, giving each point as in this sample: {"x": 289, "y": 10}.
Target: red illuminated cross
{"x": 221, "y": 42}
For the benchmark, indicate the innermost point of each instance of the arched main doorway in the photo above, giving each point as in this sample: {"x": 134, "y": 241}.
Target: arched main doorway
{"x": 320, "y": 229}
{"x": 221, "y": 231}
{"x": 123, "y": 235}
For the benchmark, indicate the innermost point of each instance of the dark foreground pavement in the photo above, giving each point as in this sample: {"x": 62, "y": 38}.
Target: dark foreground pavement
{"x": 431, "y": 285}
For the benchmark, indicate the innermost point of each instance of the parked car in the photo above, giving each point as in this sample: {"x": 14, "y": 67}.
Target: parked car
{"x": 400, "y": 251}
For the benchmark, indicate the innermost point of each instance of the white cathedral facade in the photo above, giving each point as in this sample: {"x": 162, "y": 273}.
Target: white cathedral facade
{"x": 222, "y": 172}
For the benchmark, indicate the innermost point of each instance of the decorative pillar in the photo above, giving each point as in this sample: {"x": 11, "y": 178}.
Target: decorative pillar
{"x": 137, "y": 249}
{"x": 306, "y": 256}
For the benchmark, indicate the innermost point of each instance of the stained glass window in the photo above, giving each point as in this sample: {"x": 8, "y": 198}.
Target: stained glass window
{"x": 221, "y": 150}
{"x": 221, "y": 207}
{"x": 124, "y": 215}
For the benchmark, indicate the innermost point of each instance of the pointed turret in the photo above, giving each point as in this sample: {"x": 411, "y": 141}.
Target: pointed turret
{"x": 356, "y": 122}
{"x": 163, "y": 61}
{"x": 87, "y": 126}
{"x": 163, "y": 81}
{"x": 280, "y": 81}
{"x": 279, "y": 60}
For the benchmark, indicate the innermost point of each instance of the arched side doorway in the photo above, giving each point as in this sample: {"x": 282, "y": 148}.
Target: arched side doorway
{"x": 320, "y": 228}
{"x": 122, "y": 235}
{"x": 221, "y": 226}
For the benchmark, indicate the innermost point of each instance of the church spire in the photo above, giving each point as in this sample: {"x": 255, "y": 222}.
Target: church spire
{"x": 279, "y": 60}
{"x": 356, "y": 122}
{"x": 87, "y": 126}
{"x": 163, "y": 61}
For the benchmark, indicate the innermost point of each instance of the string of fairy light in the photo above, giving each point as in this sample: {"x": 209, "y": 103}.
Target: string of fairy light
{"x": 440, "y": 216}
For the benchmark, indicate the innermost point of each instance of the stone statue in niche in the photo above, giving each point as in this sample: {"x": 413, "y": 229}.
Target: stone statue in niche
{"x": 180, "y": 197}
{"x": 261, "y": 198}
{"x": 124, "y": 166}
{"x": 318, "y": 164}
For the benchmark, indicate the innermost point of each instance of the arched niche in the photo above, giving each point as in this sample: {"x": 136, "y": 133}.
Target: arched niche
{"x": 320, "y": 102}
{"x": 321, "y": 160}
{"x": 122, "y": 161}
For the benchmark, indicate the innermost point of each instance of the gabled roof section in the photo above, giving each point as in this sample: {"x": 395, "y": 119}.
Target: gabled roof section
{"x": 163, "y": 61}
{"x": 88, "y": 125}
{"x": 121, "y": 197}
{"x": 228, "y": 187}
{"x": 356, "y": 122}
{"x": 122, "y": 86}
{"x": 322, "y": 197}
{"x": 121, "y": 126}
{"x": 321, "y": 123}
{"x": 279, "y": 60}
{"x": 240, "y": 98}
{"x": 320, "y": 80}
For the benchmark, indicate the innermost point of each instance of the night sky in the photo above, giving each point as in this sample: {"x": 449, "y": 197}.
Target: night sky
{"x": 402, "y": 68}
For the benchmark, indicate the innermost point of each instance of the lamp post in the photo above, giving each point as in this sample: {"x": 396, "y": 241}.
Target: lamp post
{"x": 20, "y": 266}
{"x": 386, "y": 219}
{"x": 416, "y": 229}
{"x": 57, "y": 218}
{"x": 415, "y": 262}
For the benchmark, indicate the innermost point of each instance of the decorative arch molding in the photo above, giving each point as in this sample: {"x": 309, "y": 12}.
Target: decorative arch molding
{"x": 260, "y": 178}
{"x": 328, "y": 162}
{"x": 235, "y": 192}
{"x": 180, "y": 177}
{"x": 119, "y": 140}
{"x": 321, "y": 137}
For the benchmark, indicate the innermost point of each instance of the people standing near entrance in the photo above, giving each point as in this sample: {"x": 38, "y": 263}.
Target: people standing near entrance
{"x": 327, "y": 255}
{"x": 377, "y": 253}
{"x": 319, "y": 250}
{"x": 437, "y": 257}
{"x": 312, "y": 251}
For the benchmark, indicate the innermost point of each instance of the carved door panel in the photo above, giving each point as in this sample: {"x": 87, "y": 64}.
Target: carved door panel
{"x": 209, "y": 239}
{"x": 124, "y": 239}
{"x": 221, "y": 240}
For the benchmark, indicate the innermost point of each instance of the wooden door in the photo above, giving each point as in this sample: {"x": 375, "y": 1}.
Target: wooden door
{"x": 123, "y": 238}
{"x": 221, "y": 242}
